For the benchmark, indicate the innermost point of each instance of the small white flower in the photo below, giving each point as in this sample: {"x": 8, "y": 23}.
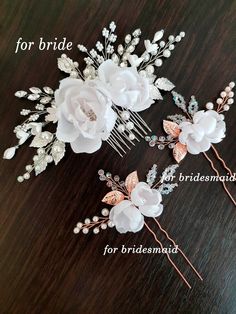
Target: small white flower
{"x": 82, "y": 48}
{"x": 85, "y": 116}
{"x": 134, "y": 60}
{"x": 148, "y": 200}
{"x": 151, "y": 48}
{"x": 99, "y": 46}
{"x": 36, "y": 127}
{"x": 110, "y": 49}
{"x": 93, "y": 53}
{"x": 105, "y": 32}
{"x": 88, "y": 61}
{"x": 22, "y": 135}
{"x": 39, "y": 107}
{"x": 124, "y": 86}
{"x": 207, "y": 128}
{"x": 112, "y": 38}
{"x": 112, "y": 26}
{"x": 52, "y": 115}
{"x": 100, "y": 59}
{"x": 126, "y": 217}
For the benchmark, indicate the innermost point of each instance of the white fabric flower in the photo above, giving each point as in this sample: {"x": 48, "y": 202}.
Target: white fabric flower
{"x": 124, "y": 86}
{"x": 208, "y": 127}
{"x": 126, "y": 217}
{"x": 148, "y": 200}
{"x": 85, "y": 116}
{"x": 129, "y": 215}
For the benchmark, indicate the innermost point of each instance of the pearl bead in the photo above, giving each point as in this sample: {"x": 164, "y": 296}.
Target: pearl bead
{"x": 171, "y": 38}
{"x": 130, "y": 125}
{"x": 79, "y": 225}
{"x": 231, "y": 94}
{"x": 171, "y": 47}
{"x": 103, "y": 226}
{"x": 20, "y": 179}
{"x": 219, "y": 101}
{"x": 125, "y": 115}
{"x": 182, "y": 34}
{"x": 95, "y": 230}
{"x": 29, "y": 168}
{"x": 209, "y": 106}
{"x": 87, "y": 221}
{"x": 158, "y": 62}
{"x": 85, "y": 230}
{"x": 162, "y": 44}
{"x": 131, "y": 136}
{"x": 226, "y": 107}
{"x": 105, "y": 212}
{"x": 230, "y": 101}
{"x": 76, "y": 64}
{"x": 86, "y": 72}
{"x": 110, "y": 224}
{"x": 121, "y": 128}
{"x": 76, "y": 230}
{"x": 227, "y": 89}
{"x": 231, "y": 84}
{"x": 95, "y": 218}
{"x": 166, "y": 53}
{"x": 150, "y": 69}
{"x": 26, "y": 176}
{"x": 178, "y": 38}
{"x": 40, "y": 151}
{"x": 223, "y": 94}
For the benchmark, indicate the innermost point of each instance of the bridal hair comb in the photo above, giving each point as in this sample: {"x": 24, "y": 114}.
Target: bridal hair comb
{"x": 99, "y": 103}
{"x": 133, "y": 202}
{"x": 197, "y": 130}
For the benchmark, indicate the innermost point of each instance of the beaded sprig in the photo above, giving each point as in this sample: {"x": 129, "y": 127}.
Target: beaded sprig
{"x": 132, "y": 202}
{"x": 195, "y": 131}
{"x": 52, "y": 123}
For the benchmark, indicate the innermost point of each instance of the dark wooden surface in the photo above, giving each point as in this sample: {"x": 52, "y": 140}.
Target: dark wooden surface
{"x": 44, "y": 267}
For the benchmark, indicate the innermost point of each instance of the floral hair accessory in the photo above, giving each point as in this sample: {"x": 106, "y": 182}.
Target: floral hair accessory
{"x": 97, "y": 103}
{"x": 133, "y": 203}
{"x": 196, "y": 131}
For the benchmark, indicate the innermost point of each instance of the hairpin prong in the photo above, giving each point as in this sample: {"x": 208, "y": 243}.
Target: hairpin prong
{"x": 177, "y": 247}
{"x": 168, "y": 256}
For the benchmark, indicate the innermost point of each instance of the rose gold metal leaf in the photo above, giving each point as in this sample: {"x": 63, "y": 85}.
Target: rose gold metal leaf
{"x": 179, "y": 152}
{"x": 113, "y": 198}
{"x": 131, "y": 181}
{"x": 171, "y": 128}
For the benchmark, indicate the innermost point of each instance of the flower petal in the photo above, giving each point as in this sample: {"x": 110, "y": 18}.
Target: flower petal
{"x": 151, "y": 211}
{"x": 85, "y": 145}
{"x": 66, "y": 132}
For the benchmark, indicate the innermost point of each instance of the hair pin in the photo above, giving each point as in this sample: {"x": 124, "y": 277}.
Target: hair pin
{"x": 133, "y": 204}
{"x": 196, "y": 131}
{"x": 99, "y": 103}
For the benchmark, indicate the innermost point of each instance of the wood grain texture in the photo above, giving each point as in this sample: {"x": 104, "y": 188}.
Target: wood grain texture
{"x": 44, "y": 267}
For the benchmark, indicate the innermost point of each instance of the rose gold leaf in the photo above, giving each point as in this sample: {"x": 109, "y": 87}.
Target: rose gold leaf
{"x": 113, "y": 198}
{"x": 131, "y": 181}
{"x": 179, "y": 152}
{"x": 171, "y": 128}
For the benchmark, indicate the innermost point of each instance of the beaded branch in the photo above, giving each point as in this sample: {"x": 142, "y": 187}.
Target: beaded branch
{"x": 196, "y": 131}
{"x": 133, "y": 201}
{"x": 99, "y": 102}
